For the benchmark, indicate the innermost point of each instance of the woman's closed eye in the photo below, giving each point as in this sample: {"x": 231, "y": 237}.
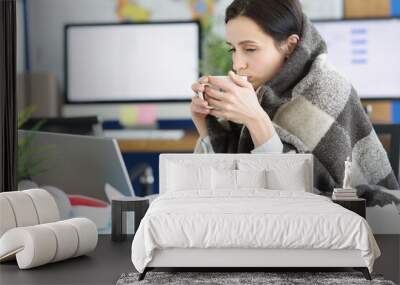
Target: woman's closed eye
{"x": 247, "y": 50}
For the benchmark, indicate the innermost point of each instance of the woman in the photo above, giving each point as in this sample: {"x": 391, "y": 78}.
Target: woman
{"x": 293, "y": 99}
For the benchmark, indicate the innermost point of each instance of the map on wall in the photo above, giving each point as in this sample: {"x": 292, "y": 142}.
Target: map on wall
{"x": 136, "y": 10}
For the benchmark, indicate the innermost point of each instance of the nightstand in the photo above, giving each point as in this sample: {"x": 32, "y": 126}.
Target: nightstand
{"x": 357, "y": 205}
{"x": 119, "y": 207}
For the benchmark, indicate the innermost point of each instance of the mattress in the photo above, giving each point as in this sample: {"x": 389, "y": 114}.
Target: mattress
{"x": 250, "y": 219}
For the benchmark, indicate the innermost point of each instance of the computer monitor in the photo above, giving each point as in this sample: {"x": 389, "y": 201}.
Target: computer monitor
{"x": 88, "y": 125}
{"x": 131, "y": 62}
{"x": 366, "y": 52}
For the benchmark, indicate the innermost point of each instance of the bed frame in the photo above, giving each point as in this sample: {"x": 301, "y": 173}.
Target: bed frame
{"x": 249, "y": 259}
{"x": 237, "y": 259}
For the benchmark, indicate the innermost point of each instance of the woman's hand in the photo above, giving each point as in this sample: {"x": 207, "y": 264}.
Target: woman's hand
{"x": 199, "y": 107}
{"x": 238, "y": 103}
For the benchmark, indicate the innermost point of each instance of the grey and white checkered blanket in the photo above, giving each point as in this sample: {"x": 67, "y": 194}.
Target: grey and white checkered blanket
{"x": 316, "y": 110}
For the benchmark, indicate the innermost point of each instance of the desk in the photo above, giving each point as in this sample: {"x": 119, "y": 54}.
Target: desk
{"x": 139, "y": 151}
{"x": 186, "y": 144}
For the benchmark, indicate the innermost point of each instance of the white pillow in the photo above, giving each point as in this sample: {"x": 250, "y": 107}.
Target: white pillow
{"x": 291, "y": 181}
{"x": 226, "y": 179}
{"x": 284, "y": 174}
{"x": 223, "y": 179}
{"x": 251, "y": 178}
{"x": 187, "y": 177}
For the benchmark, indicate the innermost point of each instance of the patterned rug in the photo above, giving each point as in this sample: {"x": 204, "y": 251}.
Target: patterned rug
{"x": 242, "y": 278}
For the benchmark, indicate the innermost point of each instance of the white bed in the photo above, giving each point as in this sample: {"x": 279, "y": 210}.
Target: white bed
{"x": 241, "y": 210}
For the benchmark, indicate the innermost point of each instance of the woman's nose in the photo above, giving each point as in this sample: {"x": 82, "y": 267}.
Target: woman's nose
{"x": 239, "y": 63}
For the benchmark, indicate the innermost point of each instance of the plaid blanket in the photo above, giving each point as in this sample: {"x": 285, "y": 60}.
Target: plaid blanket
{"x": 316, "y": 110}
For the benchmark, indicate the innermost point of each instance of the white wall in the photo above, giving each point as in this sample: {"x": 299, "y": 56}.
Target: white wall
{"x": 46, "y": 20}
{"x": 323, "y": 9}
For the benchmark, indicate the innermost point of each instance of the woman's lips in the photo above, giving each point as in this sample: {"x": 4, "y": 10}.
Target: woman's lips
{"x": 249, "y": 78}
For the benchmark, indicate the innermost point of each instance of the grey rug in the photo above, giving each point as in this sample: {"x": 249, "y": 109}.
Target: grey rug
{"x": 269, "y": 278}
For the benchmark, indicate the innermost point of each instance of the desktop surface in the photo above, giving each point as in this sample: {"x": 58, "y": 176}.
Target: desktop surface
{"x": 151, "y": 134}
{"x": 186, "y": 143}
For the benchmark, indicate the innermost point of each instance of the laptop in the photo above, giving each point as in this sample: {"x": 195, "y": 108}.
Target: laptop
{"x": 80, "y": 165}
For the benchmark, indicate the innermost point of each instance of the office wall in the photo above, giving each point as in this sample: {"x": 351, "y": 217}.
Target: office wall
{"x": 326, "y": 9}
{"x": 46, "y": 19}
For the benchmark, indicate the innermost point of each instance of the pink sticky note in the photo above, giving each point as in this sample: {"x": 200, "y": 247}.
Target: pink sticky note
{"x": 147, "y": 114}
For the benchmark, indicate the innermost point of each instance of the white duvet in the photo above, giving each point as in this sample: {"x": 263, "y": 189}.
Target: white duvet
{"x": 253, "y": 218}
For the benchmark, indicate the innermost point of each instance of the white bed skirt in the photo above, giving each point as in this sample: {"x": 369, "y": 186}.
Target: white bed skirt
{"x": 179, "y": 257}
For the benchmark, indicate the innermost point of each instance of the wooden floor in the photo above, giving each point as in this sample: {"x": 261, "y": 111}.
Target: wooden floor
{"x": 111, "y": 259}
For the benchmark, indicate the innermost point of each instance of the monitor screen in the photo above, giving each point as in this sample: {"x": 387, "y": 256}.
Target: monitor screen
{"x": 367, "y": 53}
{"x": 135, "y": 62}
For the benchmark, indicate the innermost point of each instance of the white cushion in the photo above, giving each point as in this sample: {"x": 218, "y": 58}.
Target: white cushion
{"x": 187, "y": 175}
{"x": 7, "y": 218}
{"x": 251, "y": 178}
{"x": 45, "y": 205}
{"x": 23, "y": 208}
{"x": 26, "y": 208}
{"x": 226, "y": 179}
{"x": 40, "y": 244}
{"x": 87, "y": 232}
{"x": 67, "y": 237}
{"x": 285, "y": 174}
{"x": 293, "y": 181}
{"x": 223, "y": 179}
{"x": 32, "y": 246}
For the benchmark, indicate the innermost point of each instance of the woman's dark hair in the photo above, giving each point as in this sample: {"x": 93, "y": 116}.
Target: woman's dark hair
{"x": 277, "y": 18}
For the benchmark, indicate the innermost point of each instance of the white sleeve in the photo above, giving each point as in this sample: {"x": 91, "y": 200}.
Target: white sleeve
{"x": 274, "y": 145}
{"x": 203, "y": 145}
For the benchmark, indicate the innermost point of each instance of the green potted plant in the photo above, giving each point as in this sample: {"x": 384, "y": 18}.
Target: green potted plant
{"x": 30, "y": 159}
{"x": 216, "y": 58}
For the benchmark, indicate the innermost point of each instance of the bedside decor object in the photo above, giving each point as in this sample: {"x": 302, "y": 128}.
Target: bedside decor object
{"x": 31, "y": 231}
{"x": 119, "y": 207}
{"x": 347, "y": 174}
{"x": 347, "y": 192}
{"x": 344, "y": 194}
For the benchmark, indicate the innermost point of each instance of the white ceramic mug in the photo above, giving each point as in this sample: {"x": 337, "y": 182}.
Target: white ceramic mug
{"x": 223, "y": 77}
